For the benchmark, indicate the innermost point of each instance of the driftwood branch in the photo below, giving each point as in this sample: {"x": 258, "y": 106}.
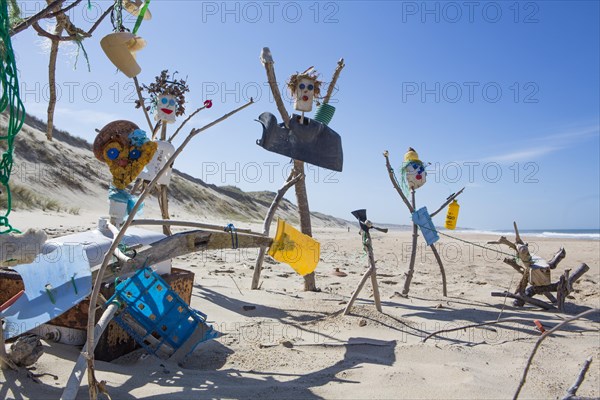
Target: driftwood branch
{"x": 267, "y": 61}
{"x": 395, "y": 182}
{"x": 503, "y": 240}
{"x": 89, "y": 348}
{"x": 44, "y": 13}
{"x": 448, "y": 201}
{"x": 370, "y": 272}
{"x": 541, "y": 339}
{"x": 572, "y": 391}
{"x": 442, "y": 271}
{"x": 185, "y": 121}
{"x": 514, "y": 264}
{"x": 553, "y": 287}
{"x": 517, "y": 236}
{"x": 499, "y": 321}
{"x": 74, "y": 381}
{"x": 558, "y": 257}
{"x": 138, "y": 90}
{"x": 525, "y": 299}
{"x": 189, "y": 224}
{"x": 291, "y": 181}
{"x": 336, "y": 75}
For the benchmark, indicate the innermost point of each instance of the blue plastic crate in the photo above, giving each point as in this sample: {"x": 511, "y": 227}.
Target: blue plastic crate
{"x": 164, "y": 321}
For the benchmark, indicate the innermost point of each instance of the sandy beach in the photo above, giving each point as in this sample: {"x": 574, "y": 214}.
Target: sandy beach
{"x": 298, "y": 345}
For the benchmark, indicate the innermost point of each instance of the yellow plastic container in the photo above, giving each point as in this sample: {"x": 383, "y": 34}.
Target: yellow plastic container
{"x": 452, "y": 215}
{"x": 299, "y": 251}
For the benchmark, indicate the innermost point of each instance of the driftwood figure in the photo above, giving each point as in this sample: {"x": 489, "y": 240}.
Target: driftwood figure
{"x": 365, "y": 227}
{"x": 536, "y": 276}
{"x": 304, "y": 87}
{"x": 167, "y": 101}
{"x": 414, "y": 176}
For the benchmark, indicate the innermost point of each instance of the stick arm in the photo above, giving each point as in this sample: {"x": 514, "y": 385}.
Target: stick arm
{"x": 448, "y": 201}
{"x": 267, "y": 61}
{"x": 395, "y": 183}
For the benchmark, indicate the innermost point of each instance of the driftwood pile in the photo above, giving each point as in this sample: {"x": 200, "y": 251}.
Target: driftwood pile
{"x": 535, "y": 276}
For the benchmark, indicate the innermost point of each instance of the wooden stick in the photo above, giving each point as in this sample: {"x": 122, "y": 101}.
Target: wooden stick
{"x": 44, "y": 13}
{"x": 291, "y": 181}
{"x": 517, "y": 236}
{"x": 96, "y": 288}
{"x": 514, "y": 264}
{"x": 448, "y": 201}
{"x": 267, "y": 61}
{"x": 413, "y": 253}
{"x": 505, "y": 241}
{"x": 553, "y": 287}
{"x": 541, "y": 339}
{"x": 74, "y": 381}
{"x": 334, "y": 78}
{"x": 395, "y": 183}
{"x": 558, "y": 257}
{"x": 525, "y": 299}
{"x": 373, "y": 268}
{"x": 442, "y": 271}
{"x": 138, "y": 89}
{"x": 572, "y": 391}
{"x": 181, "y": 244}
{"x": 185, "y": 121}
{"x": 362, "y": 282}
{"x": 190, "y": 224}
{"x": 499, "y": 321}
{"x": 164, "y": 208}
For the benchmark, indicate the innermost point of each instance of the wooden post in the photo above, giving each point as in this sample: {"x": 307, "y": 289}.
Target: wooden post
{"x": 163, "y": 191}
{"x": 267, "y": 226}
{"x": 413, "y": 253}
{"x": 442, "y": 271}
{"x": 370, "y": 272}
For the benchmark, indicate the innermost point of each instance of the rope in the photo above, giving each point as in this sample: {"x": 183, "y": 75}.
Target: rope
{"x": 16, "y": 111}
{"x": 466, "y": 241}
{"x": 234, "y": 237}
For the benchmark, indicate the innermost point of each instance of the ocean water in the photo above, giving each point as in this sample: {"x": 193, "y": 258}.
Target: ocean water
{"x": 583, "y": 234}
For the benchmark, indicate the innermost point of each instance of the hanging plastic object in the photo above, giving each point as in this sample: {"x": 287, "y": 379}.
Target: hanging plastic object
{"x": 325, "y": 113}
{"x": 312, "y": 141}
{"x": 422, "y": 218}
{"x": 452, "y": 215}
{"x": 120, "y": 48}
{"x": 299, "y": 251}
{"x": 164, "y": 151}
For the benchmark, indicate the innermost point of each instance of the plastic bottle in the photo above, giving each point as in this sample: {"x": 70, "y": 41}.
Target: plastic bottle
{"x": 452, "y": 215}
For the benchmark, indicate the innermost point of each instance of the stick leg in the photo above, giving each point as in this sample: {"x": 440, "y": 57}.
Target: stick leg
{"x": 373, "y": 269}
{"x": 258, "y": 268}
{"x": 357, "y": 291}
{"x": 442, "y": 271}
{"x": 164, "y": 207}
{"x": 411, "y": 266}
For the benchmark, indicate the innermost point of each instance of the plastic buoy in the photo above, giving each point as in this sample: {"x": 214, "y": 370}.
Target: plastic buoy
{"x": 452, "y": 215}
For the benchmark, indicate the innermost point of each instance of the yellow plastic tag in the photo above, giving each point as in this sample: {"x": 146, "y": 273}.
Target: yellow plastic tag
{"x": 299, "y": 251}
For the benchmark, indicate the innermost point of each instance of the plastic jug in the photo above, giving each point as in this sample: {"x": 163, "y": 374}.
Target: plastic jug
{"x": 452, "y": 215}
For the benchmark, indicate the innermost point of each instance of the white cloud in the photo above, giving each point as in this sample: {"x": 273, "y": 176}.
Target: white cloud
{"x": 541, "y": 146}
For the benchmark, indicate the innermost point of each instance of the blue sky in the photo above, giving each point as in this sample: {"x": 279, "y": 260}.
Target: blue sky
{"x": 501, "y": 97}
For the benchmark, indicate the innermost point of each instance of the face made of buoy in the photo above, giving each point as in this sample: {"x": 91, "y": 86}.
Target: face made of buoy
{"x": 414, "y": 170}
{"x": 166, "y": 108}
{"x": 305, "y": 94}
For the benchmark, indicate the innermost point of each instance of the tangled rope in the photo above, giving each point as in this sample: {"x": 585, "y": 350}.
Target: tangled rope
{"x": 16, "y": 111}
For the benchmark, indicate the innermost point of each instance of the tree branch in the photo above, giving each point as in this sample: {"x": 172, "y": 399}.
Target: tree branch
{"x": 395, "y": 183}
{"x": 336, "y": 75}
{"x": 448, "y": 201}
{"x": 34, "y": 18}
